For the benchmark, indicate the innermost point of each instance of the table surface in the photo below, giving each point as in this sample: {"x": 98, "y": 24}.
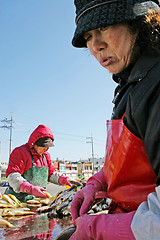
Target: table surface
{"x": 38, "y": 226}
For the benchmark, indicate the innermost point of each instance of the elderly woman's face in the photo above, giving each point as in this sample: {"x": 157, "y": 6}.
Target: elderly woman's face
{"x": 39, "y": 149}
{"x": 111, "y": 46}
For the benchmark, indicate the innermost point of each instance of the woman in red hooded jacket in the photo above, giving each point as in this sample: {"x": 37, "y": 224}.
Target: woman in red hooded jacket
{"x": 30, "y": 167}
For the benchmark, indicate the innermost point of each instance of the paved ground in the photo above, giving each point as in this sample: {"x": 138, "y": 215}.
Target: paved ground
{"x": 51, "y": 188}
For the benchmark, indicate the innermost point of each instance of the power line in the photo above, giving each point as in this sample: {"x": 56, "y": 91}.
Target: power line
{"x": 101, "y": 142}
{"x": 68, "y": 134}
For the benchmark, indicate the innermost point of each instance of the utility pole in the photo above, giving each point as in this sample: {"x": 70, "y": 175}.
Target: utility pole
{"x": 8, "y": 124}
{"x": 11, "y": 127}
{"x": 91, "y": 141}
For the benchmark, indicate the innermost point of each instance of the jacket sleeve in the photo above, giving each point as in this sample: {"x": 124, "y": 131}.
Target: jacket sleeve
{"x": 54, "y": 178}
{"x": 146, "y": 221}
{"x": 18, "y": 162}
{"x": 15, "y": 179}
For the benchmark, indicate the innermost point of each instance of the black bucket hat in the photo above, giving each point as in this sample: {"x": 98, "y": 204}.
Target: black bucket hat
{"x": 93, "y": 14}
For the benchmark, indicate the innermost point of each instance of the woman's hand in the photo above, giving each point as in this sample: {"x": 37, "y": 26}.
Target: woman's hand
{"x": 64, "y": 180}
{"x": 37, "y": 191}
{"x": 82, "y": 201}
{"x": 104, "y": 226}
{"x": 85, "y": 198}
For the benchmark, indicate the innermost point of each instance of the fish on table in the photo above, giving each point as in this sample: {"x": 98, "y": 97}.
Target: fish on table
{"x": 60, "y": 206}
{"x": 5, "y": 223}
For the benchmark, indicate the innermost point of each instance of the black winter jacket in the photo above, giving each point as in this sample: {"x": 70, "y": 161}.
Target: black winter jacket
{"x": 138, "y": 96}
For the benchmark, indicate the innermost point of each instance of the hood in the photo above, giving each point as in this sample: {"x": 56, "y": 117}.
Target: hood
{"x": 40, "y": 132}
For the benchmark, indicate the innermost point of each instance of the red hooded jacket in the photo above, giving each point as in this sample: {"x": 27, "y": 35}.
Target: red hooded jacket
{"x": 21, "y": 158}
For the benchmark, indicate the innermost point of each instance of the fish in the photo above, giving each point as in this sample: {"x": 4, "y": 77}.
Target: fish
{"x": 33, "y": 201}
{"x": 23, "y": 213}
{"x": 38, "y": 201}
{"x": 48, "y": 194}
{"x": 16, "y": 212}
{"x": 99, "y": 206}
{"x": 91, "y": 211}
{"x": 100, "y": 212}
{"x": 3, "y": 201}
{"x": 67, "y": 196}
{"x": 23, "y": 205}
{"x": 76, "y": 183}
{"x": 66, "y": 210}
{"x": 15, "y": 218}
{"x": 60, "y": 204}
{"x": 8, "y": 199}
{"x": 30, "y": 205}
{"x": 64, "y": 195}
{"x": 15, "y": 199}
{"x": 57, "y": 196}
{"x": 44, "y": 209}
{"x": 66, "y": 233}
{"x": 7, "y": 212}
{"x": 6, "y": 205}
{"x": 105, "y": 206}
{"x": 64, "y": 204}
{"x": 5, "y": 223}
{"x": 45, "y": 201}
{"x": 70, "y": 198}
{"x": 53, "y": 214}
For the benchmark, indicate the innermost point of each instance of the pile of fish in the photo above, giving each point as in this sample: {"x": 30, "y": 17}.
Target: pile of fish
{"x": 39, "y": 202}
{"x": 60, "y": 205}
{"x": 10, "y": 206}
{"x": 56, "y": 206}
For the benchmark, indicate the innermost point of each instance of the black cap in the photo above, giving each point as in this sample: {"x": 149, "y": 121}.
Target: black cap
{"x": 44, "y": 142}
{"x": 93, "y": 14}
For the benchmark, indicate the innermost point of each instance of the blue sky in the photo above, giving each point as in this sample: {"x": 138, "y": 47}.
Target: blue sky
{"x": 45, "y": 80}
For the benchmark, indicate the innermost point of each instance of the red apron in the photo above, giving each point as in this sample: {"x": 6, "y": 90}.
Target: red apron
{"x": 127, "y": 170}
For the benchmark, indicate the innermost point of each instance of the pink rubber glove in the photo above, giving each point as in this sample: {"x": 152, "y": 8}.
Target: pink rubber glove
{"x": 37, "y": 191}
{"x": 104, "y": 227}
{"x": 85, "y": 198}
{"x": 64, "y": 180}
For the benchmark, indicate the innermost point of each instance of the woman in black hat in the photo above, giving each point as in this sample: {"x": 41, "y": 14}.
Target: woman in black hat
{"x": 30, "y": 167}
{"x": 124, "y": 36}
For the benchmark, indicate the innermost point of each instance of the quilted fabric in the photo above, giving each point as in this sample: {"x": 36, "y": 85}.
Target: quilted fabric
{"x": 92, "y": 14}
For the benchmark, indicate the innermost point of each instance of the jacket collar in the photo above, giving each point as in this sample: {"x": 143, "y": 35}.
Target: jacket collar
{"x": 143, "y": 65}
{"x": 136, "y": 72}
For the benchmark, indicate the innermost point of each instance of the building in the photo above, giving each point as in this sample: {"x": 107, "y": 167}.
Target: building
{"x": 98, "y": 163}
{"x": 74, "y": 170}
{"x": 78, "y": 170}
